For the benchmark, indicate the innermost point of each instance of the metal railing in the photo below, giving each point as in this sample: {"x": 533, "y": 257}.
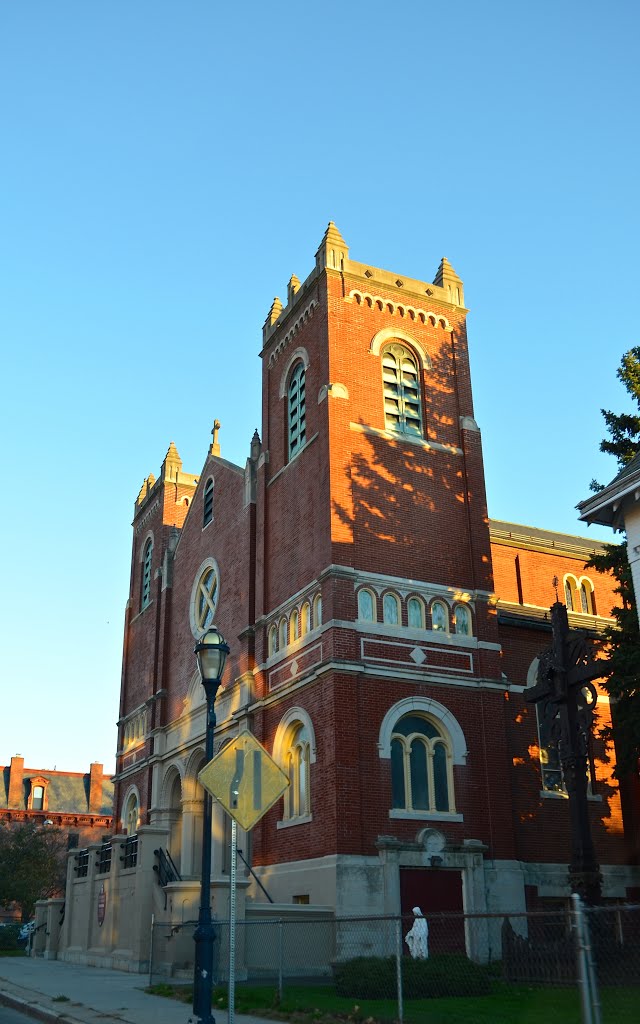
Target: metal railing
{"x": 82, "y": 863}
{"x": 130, "y": 857}
{"x": 103, "y": 860}
{"x": 165, "y": 868}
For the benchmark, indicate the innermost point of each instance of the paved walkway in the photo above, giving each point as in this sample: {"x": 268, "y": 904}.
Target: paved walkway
{"x": 93, "y": 995}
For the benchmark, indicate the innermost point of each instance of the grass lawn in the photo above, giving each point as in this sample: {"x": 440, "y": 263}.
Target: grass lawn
{"x": 318, "y": 1004}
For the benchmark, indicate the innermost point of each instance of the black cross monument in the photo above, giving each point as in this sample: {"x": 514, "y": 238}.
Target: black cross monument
{"x": 567, "y": 698}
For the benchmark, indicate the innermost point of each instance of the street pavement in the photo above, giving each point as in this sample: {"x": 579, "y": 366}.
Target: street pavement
{"x": 91, "y": 995}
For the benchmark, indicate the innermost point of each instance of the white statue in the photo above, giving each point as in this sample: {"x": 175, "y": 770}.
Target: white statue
{"x": 417, "y": 938}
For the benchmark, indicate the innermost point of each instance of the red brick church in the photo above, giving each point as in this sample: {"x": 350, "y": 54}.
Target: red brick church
{"x": 383, "y": 630}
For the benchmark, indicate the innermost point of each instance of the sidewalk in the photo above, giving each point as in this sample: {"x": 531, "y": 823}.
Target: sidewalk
{"x": 95, "y": 996}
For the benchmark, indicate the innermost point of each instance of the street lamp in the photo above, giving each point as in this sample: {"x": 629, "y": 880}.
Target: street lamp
{"x": 211, "y": 653}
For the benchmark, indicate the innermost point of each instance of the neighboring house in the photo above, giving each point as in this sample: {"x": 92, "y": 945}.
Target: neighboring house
{"x": 618, "y": 505}
{"x": 79, "y": 804}
{"x": 383, "y": 633}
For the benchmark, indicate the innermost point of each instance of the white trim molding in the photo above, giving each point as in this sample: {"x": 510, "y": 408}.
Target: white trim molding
{"x": 426, "y": 706}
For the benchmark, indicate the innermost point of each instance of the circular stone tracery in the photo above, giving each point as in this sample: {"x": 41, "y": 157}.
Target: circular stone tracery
{"x": 204, "y": 597}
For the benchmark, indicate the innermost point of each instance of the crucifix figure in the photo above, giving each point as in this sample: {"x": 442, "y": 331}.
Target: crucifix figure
{"x": 567, "y": 698}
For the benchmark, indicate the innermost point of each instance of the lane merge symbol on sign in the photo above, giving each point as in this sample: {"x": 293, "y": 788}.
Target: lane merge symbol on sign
{"x": 245, "y": 779}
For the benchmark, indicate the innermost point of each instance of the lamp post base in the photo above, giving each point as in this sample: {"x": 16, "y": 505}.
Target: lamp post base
{"x": 202, "y": 978}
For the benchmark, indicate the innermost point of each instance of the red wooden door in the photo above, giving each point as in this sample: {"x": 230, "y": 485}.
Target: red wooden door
{"x": 438, "y": 893}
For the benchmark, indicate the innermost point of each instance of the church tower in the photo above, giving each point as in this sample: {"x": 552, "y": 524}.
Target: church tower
{"x": 378, "y": 661}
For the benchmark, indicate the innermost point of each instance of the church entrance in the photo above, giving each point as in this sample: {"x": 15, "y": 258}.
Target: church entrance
{"x": 436, "y": 891}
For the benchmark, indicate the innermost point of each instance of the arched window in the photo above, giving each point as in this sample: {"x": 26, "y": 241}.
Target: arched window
{"x": 462, "y": 618}
{"x": 146, "y": 574}
{"x": 273, "y": 640}
{"x": 587, "y": 597}
{"x": 401, "y": 388}
{"x": 293, "y": 626}
{"x": 550, "y": 769}
{"x": 571, "y": 595}
{"x": 282, "y": 634}
{"x": 415, "y": 613}
{"x": 206, "y": 598}
{"x": 317, "y": 611}
{"x": 37, "y": 798}
{"x": 366, "y": 606}
{"x": 131, "y": 814}
{"x": 297, "y": 764}
{"x": 421, "y": 766}
{"x": 440, "y": 616}
{"x": 294, "y": 750}
{"x": 207, "y": 513}
{"x": 305, "y": 618}
{"x": 297, "y": 410}
{"x": 391, "y": 609}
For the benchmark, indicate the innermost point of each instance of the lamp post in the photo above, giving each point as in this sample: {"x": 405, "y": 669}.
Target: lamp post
{"x": 211, "y": 653}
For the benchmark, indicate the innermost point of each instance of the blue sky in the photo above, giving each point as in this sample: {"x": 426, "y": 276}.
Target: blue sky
{"x": 168, "y": 165}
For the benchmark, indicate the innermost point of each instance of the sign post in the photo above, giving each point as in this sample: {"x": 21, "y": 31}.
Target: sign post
{"x": 246, "y": 780}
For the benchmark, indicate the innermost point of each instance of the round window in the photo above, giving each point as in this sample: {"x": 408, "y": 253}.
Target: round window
{"x": 204, "y": 597}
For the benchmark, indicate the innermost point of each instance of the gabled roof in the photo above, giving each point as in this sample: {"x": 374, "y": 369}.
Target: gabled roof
{"x": 605, "y": 507}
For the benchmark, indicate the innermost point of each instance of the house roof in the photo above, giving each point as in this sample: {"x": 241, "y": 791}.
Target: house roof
{"x": 605, "y": 506}
{"x": 67, "y": 792}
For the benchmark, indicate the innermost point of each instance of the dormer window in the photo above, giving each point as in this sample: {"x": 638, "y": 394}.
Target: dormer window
{"x": 37, "y": 800}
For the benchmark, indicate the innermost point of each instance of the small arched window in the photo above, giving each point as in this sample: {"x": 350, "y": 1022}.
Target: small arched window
{"x": 305, "y": 618}
{"x": 131, "y": 815}
{"x": 421, "y": 766}
{"x": 571, "y": 595}
{"x": 297, "y": 802}
{"x": 391, "y": 609}
{"x": 439, "y": 616}
{"x": 282, "y": 634}
{"x": 293, "y": 626}
{"x": 366, "y": 606}
{"x": 587, "y": 597}
{"x": 317, "y": 611}
{"x": 37, "y": 798}
{"x": 401, "y": 388}
{"x": 146, "y": 574}
{"x": 273, "y": 640}
{"x": 462, "y": 618}
{"x": 297, "y": 416}
{"x": 207, "y": 513}
{"x": 415, "y": 613}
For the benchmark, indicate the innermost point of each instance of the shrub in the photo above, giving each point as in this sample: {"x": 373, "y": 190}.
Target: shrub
{"x": 9, "y": 936}
{"x": 375, "y": 978}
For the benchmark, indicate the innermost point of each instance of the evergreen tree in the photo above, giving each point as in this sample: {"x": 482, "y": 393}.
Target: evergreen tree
{"x": 624, "y": 638}
{"x": 624, "y": 428}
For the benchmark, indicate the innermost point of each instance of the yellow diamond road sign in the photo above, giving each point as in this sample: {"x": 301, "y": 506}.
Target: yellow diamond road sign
{"x": 245, "y": 779}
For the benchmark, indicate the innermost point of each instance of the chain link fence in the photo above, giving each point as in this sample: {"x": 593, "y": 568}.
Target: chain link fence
{"x": 570, "y": 965}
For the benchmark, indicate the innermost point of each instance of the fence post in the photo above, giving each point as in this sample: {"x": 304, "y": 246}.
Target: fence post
{"x": 231, "y": 988}
{"x": 399, "y": 969}
{"x": 151, "y": 953}
{"x": 581, "y": 952}
{"x": 280, "y": 950}
{"x": 593, "y": 980}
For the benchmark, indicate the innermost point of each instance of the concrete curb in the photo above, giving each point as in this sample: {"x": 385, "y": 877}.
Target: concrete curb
{"x": 36, "y": 1011}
